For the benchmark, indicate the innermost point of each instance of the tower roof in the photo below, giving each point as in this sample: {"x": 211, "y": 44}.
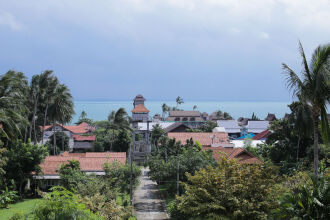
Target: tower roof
{"x": 140, "y": 109}
{"x": 139, "y": 96}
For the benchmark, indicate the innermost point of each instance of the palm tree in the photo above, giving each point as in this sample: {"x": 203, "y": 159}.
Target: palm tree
{"x": 61, "y": 109}
{"x": 194, "y": 107}
{"x": 165, "y": 108}
{"x": 51, "y": 83}
{"x": 301, "y": 118}
{"x": 179, "y": 101}
{"x": 118, "y": 120}
{"x": 13, "y": 109}
{"x": 313, "y": 90}
{"x": 38, "y": 87}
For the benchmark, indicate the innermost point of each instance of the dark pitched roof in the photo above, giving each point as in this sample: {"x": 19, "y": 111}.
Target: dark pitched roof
{"x": 286, "y": 116}
{"x": 270, "y": 117}
{"x": 174, "y": 126}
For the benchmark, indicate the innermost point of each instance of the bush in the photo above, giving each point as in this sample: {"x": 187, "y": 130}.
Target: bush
{"x": 18, "y": 216}
{"x": 62, "y": 204}
{"x": 118, "y": 175}
{"x": 231, "y": 190}
{"x": 71, "y": 174}
{"x": 7, "y": 197}
{"x": 190, "y": 160}
{"x": 310, "y": 200}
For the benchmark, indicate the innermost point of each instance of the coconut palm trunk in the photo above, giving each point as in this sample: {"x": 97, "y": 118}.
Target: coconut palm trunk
{"x": 54, "y": 137}
{"x": 316, "y": 145}
{"x": 43, "y": 128}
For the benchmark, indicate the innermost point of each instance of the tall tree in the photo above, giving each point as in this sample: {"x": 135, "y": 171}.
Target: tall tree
{"x": 51, "y": 83}
{"x": 118, "y": 120}
{"x": 194, "y": 107}
{"x": 13, "y": 108}
{"x": 38, "y": 87}
{"x": 83, "y": 118}
{"x": 179, "y": 101}
{"x": 61, "y": 109}
{"x": 313, "y": 90}
{"x": 165, "y": 109}
{"x": 301, "y": 118}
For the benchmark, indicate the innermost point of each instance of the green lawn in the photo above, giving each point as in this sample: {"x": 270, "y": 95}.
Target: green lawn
{"x": 26, "y": 206}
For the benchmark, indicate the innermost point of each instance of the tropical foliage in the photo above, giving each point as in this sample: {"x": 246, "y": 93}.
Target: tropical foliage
{"x": 23, "y": 160}
{"x": 313, "y": 91}
{"x": 229, "y": 190}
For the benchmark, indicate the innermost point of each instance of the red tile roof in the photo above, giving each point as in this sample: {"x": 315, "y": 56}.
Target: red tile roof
{"x": 76, "y": 129}
{"x": 78, "y": 137}
{"x": 204, "y": 138}
{"x": 262, "y": 135}
{"x": 240, "y": 154}
{"x": 140, "y": 109}
{"x": 93, "y": 161}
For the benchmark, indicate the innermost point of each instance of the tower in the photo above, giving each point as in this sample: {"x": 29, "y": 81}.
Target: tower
{"x": 141, "y": 138}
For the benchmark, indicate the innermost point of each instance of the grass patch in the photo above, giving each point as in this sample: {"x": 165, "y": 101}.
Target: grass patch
{"x": 22, "y": 207}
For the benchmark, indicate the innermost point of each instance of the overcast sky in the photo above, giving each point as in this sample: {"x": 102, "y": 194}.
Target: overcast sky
{"x": 226, "y": 50}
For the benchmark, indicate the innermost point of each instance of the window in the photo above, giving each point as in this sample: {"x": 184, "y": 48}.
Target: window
{"x": 192, "y": 119}
{"x": 185, "y": 119}
{"x": 177, "y": 119}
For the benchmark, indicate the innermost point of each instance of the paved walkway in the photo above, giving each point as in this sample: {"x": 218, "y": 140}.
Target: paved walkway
{"x": 146, "y": 200}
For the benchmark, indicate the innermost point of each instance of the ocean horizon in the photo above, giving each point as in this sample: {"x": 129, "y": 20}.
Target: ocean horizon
{"x": 99, "y": 110}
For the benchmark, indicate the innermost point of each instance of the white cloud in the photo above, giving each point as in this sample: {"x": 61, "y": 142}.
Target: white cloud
{"x": 263, "y": 35}
{"x": 8, "y": 20}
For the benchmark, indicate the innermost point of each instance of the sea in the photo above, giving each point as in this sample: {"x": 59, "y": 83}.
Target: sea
{"x": 99, "y": 110}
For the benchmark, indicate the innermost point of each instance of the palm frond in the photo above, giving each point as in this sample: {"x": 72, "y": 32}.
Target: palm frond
{"x": 305, "y": 71}
{"x": 325, "y": 128}
{"x": 293, "y": 81}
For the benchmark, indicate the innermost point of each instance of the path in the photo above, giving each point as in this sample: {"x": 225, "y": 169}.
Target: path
{"x": 146, "y": 199}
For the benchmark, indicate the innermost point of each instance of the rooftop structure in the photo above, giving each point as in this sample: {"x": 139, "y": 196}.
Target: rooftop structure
{"x": 270, "y": 117}
{"x": 257, "y": 127}
{"x": 204, "y": 138}
{"x": 90, "y": 163}
{"x": 240, "y": 154}
{"x": 80, "y": 137}
{"x": 191, "y": 119}
{"x": 139, "y": 99}
{"x": 262, "y": 136}
{"x": 231, "y": 126}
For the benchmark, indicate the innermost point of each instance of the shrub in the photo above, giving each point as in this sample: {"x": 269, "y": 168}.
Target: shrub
{"x": 62, "y": 204}
{"x": 71, "y": 174}
{"x": 310, "y": 200}
{"x": 230, "y": 190}
{"x": 18, "y": 216}
{"x": 7, "y": 197}
{"x": 118, "y": 175}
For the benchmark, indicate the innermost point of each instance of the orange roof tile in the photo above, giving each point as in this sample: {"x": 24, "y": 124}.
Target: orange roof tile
{"x": 93, "y": 161}
{"x": 78, "y": 137}
{"x": 204, "y": 138}
{"x": 76, "y": 129}
{"x": 140, "y": 109}
{"x": 240, "y": 154}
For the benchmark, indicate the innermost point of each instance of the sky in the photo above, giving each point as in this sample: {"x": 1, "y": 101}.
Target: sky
{"x": 224, "y": 50}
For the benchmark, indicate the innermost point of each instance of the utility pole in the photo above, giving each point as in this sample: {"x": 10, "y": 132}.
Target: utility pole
{"x": 131, "y": 175}
{"x": 177, "y": 174}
